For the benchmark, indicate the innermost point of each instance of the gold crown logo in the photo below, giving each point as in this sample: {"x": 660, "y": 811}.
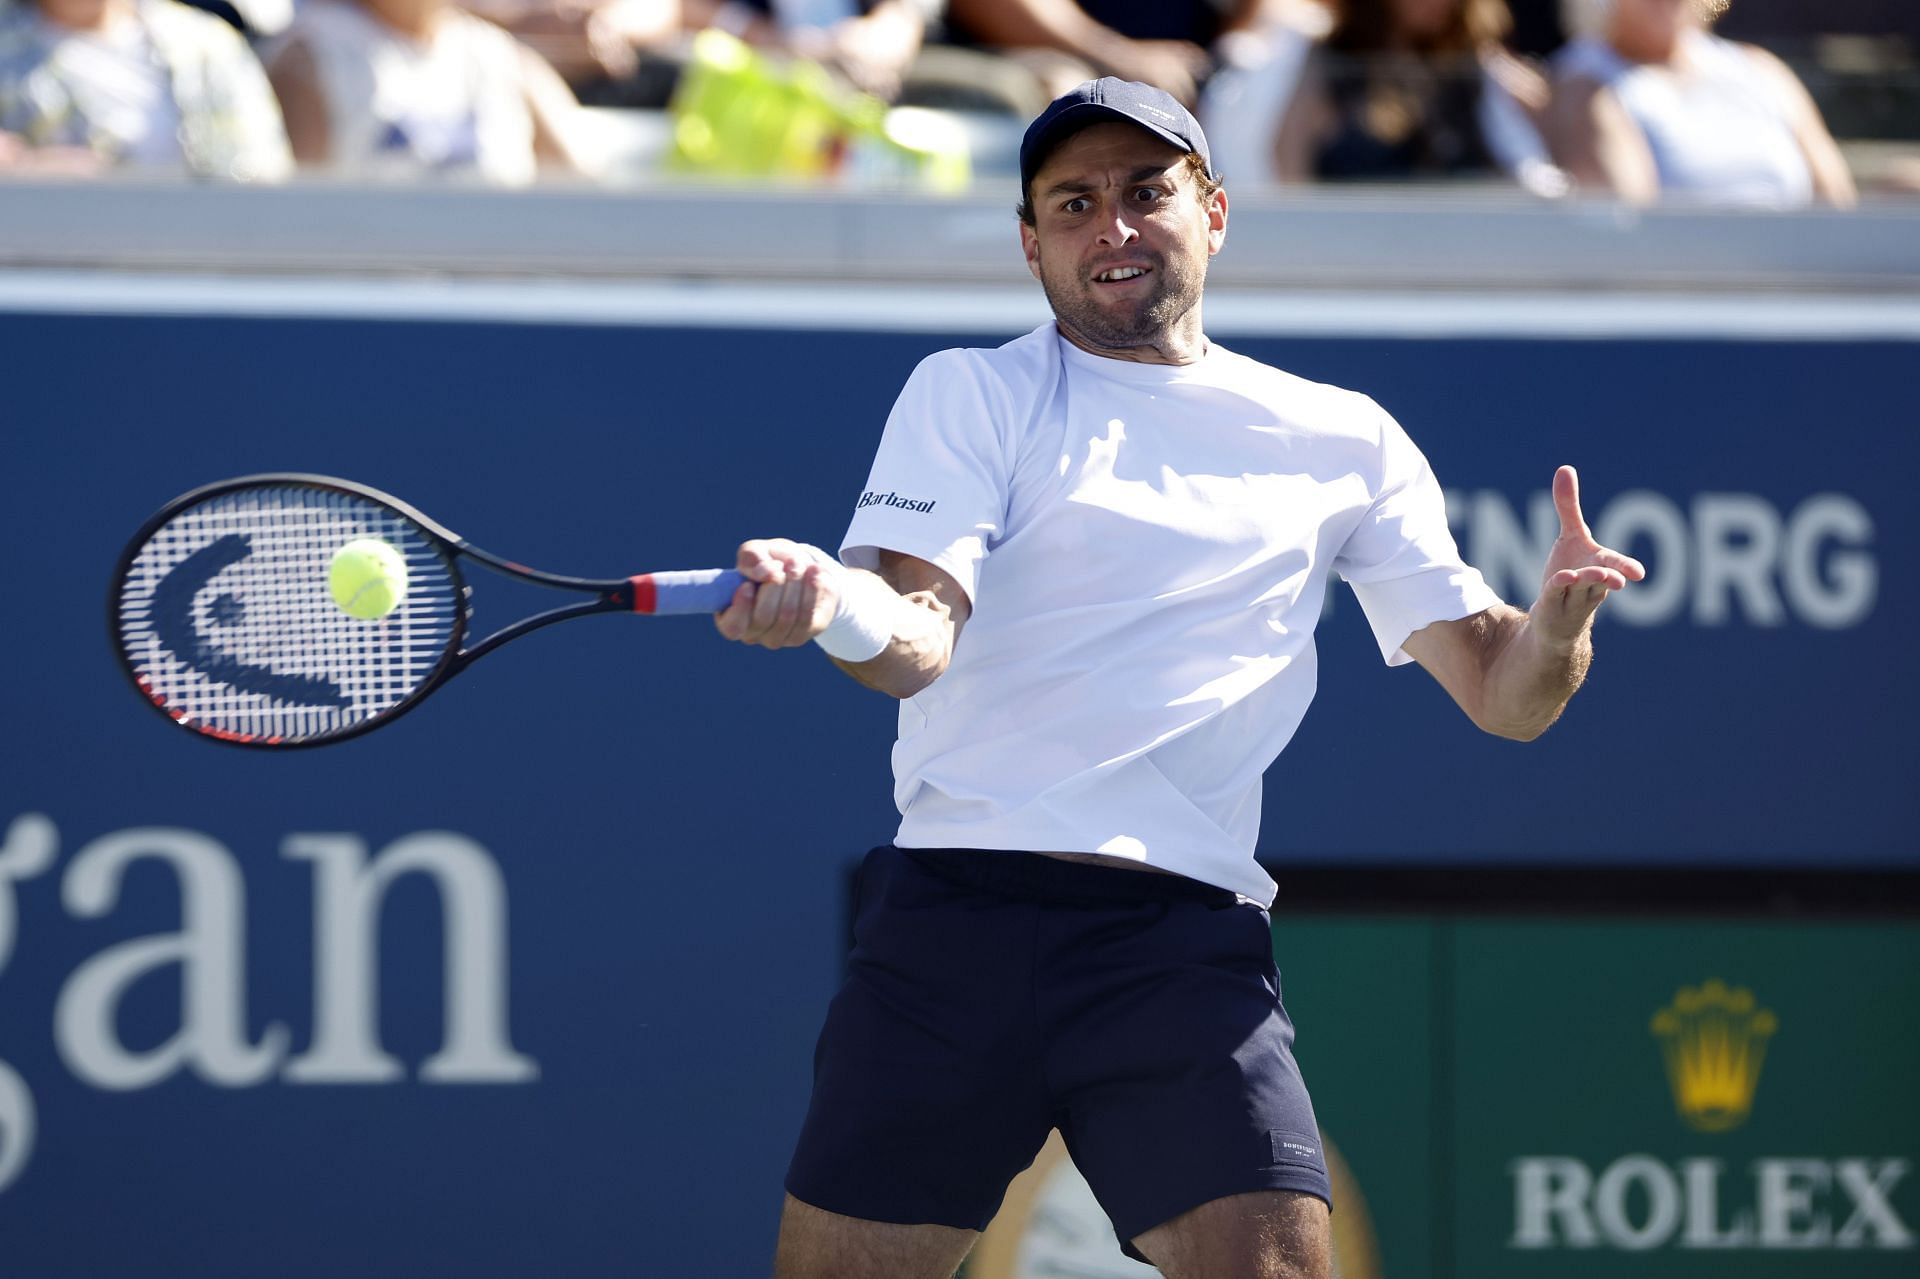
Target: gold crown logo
{"x": 1714, "y": 1040}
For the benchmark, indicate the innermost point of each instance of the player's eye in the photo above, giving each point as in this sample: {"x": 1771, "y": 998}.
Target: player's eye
{"x": 1147, "y": 195}
{"x": 1078, "y": 204}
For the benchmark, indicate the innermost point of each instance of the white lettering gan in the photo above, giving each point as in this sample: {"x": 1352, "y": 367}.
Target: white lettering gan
{"x": 29, "y": 849}
{"x": 346, "y": 916}
{"x": 209, "y": 953}
{"x": 1638, "y": 1203}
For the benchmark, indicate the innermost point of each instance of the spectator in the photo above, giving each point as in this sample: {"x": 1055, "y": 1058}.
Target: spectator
{"x": 1415, "y": 89}
{"x": 1165, "y": 43}
{"x": 1649, "y": 104}
{"x": 91, "y": 85}
{"x": 630, "y": 52}
{"x": 398, "y": 89}
{"x": 595, "y": 43}
{"x": 1244, "y": 100}
{"x": 870, "y": 42}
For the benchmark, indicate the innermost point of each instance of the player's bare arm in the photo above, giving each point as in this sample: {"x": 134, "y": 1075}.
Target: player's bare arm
{"x": 794, "y": 593}
{"x": 1594, "y": 139}
{"x": 1514, "y": 672}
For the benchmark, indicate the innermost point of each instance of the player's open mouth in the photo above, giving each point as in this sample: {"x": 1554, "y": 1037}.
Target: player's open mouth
{"x": 1119, "y": 274}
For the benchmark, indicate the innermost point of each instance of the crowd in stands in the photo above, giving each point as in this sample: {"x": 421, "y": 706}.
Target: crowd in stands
{"x": 1637, "y": 99}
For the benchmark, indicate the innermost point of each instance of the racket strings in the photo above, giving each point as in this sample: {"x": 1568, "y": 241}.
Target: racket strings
{"x": 227, "y": 622}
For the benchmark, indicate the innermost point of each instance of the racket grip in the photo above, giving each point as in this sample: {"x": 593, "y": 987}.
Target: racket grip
{"x": 695, "y": 590}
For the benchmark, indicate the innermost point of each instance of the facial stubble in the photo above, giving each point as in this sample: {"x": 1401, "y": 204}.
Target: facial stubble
{"x": 1176, "y": 291}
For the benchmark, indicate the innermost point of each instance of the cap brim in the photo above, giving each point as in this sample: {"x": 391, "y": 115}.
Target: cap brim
{"x": 1080, "y": 116}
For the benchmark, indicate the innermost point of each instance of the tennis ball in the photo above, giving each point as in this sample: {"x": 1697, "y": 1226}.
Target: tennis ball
{"x": 368, "y": 578}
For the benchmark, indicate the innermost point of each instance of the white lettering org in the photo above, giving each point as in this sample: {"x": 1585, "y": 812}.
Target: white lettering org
{"x": 1722, "y": 559}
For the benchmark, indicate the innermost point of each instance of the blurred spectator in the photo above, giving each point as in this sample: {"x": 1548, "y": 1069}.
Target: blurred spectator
{"x": 630, "y": 52}
{"x": 1416, "y": 89}
{"x": 1244, "y": 101}
{"x": 872, "y": 43}
{"x": 597, "y": 42}
{"x": 90, "y": 85}
{"x": 1648, "y": 103}
{"x": 1165, "y": 43}
{"x": 254, "y": 19}
{"x": 396, "y": 89}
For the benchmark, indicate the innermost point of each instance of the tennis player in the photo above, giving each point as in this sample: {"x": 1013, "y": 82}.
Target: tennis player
{"x": 1089, "y": 563}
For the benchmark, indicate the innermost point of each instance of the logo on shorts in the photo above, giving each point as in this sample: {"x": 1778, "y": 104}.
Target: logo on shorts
{"x": 1285, "y": 1148}
{"x": 895, "y": 500}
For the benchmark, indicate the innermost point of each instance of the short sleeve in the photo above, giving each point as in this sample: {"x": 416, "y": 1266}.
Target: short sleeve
{"x": 938, "y": 487}
{"x": 1401, "y": 559}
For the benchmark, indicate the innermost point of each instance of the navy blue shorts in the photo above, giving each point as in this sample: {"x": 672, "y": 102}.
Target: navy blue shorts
{"x": 992, "y": 997}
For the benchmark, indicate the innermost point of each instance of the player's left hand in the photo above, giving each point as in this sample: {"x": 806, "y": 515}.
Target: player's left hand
{"x": 1580, "y": 573}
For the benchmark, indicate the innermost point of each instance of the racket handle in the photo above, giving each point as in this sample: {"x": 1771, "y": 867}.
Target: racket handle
{"x": 694, "y": 590}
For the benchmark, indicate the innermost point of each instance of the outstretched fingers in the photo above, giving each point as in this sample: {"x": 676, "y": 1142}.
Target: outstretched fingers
{"x": 1573, "y": 596}
{"x": 1566, "y": 500}
{"x": 1625, "y": 565}
{"x": 1577, "y": 538}
{"x": 1592, "y": 575}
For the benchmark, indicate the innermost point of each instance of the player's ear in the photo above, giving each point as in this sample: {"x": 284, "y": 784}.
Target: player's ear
{"x": 1216, "y": 220}
{"x": 1030, "y": 248}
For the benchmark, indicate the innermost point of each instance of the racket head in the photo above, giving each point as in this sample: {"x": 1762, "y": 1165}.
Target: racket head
{"x": 221, "y": 615}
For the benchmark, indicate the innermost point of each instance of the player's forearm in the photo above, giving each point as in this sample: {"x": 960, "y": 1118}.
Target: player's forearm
{"x": 922, "y": 642}
{"x": 1528, "y": 676}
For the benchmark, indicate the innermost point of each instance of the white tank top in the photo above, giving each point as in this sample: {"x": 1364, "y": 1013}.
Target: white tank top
{"x": 1720, "y": 132}
{"x": 454, "y": 105}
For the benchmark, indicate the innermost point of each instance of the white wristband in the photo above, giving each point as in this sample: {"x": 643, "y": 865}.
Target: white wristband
{"x": 861, "y": 627}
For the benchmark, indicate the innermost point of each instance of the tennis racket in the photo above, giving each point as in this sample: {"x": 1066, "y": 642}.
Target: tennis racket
{"x": 222, "y": 616}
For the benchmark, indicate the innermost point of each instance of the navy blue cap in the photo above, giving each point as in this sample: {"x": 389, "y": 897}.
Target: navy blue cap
{"x": 1110, "y": 98}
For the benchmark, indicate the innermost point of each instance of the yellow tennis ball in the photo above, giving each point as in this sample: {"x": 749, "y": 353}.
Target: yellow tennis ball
{"x": 368, "y": 578}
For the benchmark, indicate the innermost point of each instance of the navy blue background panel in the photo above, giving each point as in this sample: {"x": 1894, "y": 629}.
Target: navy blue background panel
{"x": 670, "y": 816}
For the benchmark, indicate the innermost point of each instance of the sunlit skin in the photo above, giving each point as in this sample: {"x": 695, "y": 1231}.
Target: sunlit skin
{"x": 1650, "y": 30}
{"x": 1418, "y": 21}
{"x": 85, "y": 15}
{"x": 1114, "y": 196}
{"x": 417, "y": 18}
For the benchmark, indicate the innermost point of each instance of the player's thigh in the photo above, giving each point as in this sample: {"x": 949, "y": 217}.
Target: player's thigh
{"x": 817, "y": 1244}
{"x": 1267, "y": 1234}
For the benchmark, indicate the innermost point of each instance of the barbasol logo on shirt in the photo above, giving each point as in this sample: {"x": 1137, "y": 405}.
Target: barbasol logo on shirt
{"x": 894, "y": 499}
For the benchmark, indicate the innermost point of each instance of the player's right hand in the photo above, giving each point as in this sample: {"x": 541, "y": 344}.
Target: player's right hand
{"x": 788, "y": 598}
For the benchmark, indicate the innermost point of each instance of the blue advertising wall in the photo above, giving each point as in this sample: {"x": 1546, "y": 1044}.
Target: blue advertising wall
{"x": 583, "y": 1046}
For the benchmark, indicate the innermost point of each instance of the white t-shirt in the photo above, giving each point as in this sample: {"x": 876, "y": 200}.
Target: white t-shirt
{"x": 1146, "y": 549}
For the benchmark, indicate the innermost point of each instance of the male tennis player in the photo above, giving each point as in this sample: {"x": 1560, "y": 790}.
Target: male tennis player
{"x": 1089, "y": 562}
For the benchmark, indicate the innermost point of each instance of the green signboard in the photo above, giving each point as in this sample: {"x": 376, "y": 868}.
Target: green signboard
{"x": 1701, "y": 1099}
{"x": 1690, "y": 1100}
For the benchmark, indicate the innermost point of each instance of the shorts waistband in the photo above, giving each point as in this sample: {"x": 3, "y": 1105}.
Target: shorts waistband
{"x": 1037, "y": 877}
